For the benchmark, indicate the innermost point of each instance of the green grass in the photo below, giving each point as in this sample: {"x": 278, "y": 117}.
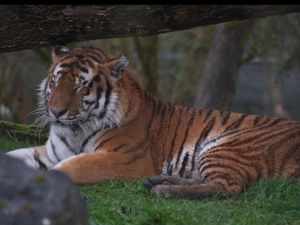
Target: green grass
{"x": 121, "y": 202}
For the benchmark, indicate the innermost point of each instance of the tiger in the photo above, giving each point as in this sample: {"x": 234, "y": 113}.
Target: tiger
{"x": 105, "y": 126}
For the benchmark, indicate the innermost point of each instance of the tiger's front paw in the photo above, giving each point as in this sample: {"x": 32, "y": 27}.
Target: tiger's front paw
{"x": 70, "y": 167}
{"x": 27, "y": 155}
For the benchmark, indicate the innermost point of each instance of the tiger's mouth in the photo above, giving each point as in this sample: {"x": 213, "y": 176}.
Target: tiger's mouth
{"x": 74, "y": 123}
{"x": 65, "y": 122}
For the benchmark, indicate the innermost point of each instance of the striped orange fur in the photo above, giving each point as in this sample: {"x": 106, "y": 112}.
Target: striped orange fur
{"x": 131, "y": 134}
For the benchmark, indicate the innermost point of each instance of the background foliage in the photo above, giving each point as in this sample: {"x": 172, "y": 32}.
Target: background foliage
{"x": 262, "y": 79}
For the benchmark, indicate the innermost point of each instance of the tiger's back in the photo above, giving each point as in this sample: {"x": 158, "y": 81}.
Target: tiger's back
{"x": 231, "y": 150}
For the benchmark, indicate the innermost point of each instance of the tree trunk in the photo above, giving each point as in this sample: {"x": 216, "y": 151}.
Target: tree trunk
{"x": 276, "y": 98}
{"x": 147, "y": 49}
{"x": 34, "y": 26}
{"x": 217, "y": 84}
{"x": 13, "y": 94}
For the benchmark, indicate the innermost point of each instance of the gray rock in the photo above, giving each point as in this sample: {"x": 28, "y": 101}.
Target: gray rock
{"x": 34, "y": 197}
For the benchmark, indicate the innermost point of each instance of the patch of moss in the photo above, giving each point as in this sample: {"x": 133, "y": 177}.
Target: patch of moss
{"x": 2, "y": 205}
{"x": 40, "y": 179}
{"x": 28, "y": 208}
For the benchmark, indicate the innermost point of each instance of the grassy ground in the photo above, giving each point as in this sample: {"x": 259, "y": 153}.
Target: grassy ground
{"x": 123, "y": 202}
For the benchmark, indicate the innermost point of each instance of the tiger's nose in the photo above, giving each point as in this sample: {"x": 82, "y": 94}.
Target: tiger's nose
{"x": 58, "y": 112}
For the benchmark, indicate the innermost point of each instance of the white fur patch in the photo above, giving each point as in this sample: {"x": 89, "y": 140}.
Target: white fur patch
{"x": 56, "y": 75}
{"x": 87, "y": 76}
{"x": 114, "y": 113}
{"x": 207, "y": 144}
{"x": 26, "y": 155}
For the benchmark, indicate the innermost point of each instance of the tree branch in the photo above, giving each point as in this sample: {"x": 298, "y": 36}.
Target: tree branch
{"x": 34, "y": 26}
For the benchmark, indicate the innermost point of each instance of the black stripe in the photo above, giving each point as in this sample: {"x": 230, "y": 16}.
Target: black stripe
{"x": 83, "y": 69}
{"x": 41, "y": 164}
{"x": 208, "y": 114}
{"x": 82, "y": 60}
{"x": 59, "y": 72}
{"x": 45, "y": 88}
{"x": 200, "y": 113}
{"x": 161, "y": 122}
{"x": 105, "y": 141}
{"x": 89, "y": 103}
{"x": 107, "y": 99}
{"x": 128, "y": 110}
{"x": 66, "y": 57}
{"x": 204, "y": 133}
{"x": 94, "y": 58}
{"x": 236, "y": 124}
{"x": 157, "y": 108}
{"x": 64, "y": 140}
{"x": 68, "y": 65}
{"x": 275, "y": 122}
{"x": 134, "y": 84}
{"x": 226, "y": 117}
{"x": 169, "y": 168}
{"x": 186, "y": 134}
{"x": 99, "y": 91}
{"x": 267, "y": 120}
{"x": 176, "y": 131}
{"x": 257, "y": 119}
{"x": 146, "y": 95}
{"x": 108, "y": 131}
{"x": 171, "y": 115}
{"x": 221, "y": 166}
{"x": 37, "y": 158}
{"x": 183, "y": 165}
{"x": 90, "y": 63}
{"x": 101, "y": 54}
{"x": 54, "y": 151}
{"x": 118, "y": 147}
{"x": 138, "y": 147}
{"x": 153, "y": 112}
{"x": 89, "y": 138}
{"x": 96, "y": 78}
{"x": 170, "y": 155}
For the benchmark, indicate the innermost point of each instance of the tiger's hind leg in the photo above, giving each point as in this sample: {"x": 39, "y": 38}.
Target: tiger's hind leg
{"x": 150, "y": 182}
{"x": 172, "y": 186}
{"x": 186, "y": 190}
{"x": 194, "y": 190}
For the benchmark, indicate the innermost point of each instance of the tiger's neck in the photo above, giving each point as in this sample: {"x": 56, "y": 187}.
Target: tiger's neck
{"x": 145, "y": 123}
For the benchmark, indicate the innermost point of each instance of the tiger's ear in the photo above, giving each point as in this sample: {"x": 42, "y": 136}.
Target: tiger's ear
{"x": 117, "y": 66}
{"x": 59, "y": 51}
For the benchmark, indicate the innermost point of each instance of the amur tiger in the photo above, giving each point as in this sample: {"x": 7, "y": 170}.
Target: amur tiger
{"x": 105, "y": 126}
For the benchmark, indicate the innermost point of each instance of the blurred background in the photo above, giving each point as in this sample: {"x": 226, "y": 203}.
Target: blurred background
{"x": 250, "y": 66}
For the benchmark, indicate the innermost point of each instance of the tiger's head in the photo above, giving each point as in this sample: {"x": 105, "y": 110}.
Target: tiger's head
{"x": 83, "y": 86}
